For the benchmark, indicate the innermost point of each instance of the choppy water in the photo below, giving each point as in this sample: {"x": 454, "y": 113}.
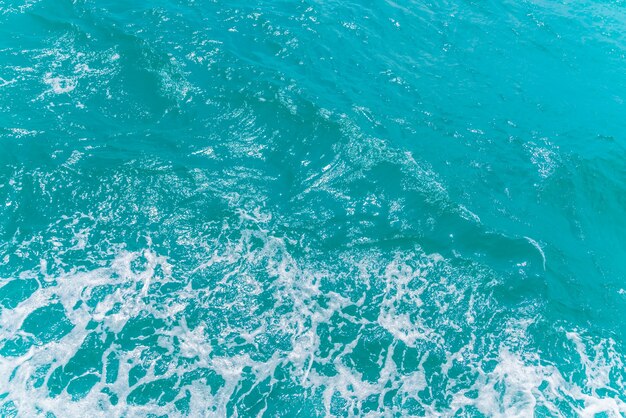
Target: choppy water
{"x": 310, "y": 208}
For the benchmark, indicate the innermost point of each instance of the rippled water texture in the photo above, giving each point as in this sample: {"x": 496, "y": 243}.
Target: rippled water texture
{"x": 312, "y": 208}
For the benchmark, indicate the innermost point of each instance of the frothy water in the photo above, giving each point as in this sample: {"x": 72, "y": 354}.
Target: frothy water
{"x": 312, "y": 209}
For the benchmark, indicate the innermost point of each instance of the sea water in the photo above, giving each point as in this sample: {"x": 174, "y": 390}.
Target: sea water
{"x": 312, "y": 208}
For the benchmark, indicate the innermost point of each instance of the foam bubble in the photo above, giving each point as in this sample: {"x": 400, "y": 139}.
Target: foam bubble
{"x": 60, "y": 85}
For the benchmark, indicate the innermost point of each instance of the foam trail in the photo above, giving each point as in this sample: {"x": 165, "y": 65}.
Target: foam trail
{"x": 538, "y": 247}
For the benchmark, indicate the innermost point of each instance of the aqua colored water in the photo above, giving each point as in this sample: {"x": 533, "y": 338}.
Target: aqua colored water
{"x": 312, "y": 208}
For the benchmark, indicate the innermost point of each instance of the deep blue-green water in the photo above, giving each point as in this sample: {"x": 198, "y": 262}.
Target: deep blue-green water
{"x": 312, "y": 208}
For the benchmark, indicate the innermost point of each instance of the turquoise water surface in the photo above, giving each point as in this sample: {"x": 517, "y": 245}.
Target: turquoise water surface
{"x": 312, "y": 208}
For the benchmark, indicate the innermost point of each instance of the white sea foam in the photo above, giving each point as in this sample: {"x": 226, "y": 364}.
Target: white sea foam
{"x": 539, "y": 249}
{"x": 544, "y": 155}
{"x": 59, "y": 85}
{"x": 421, "y": 303}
